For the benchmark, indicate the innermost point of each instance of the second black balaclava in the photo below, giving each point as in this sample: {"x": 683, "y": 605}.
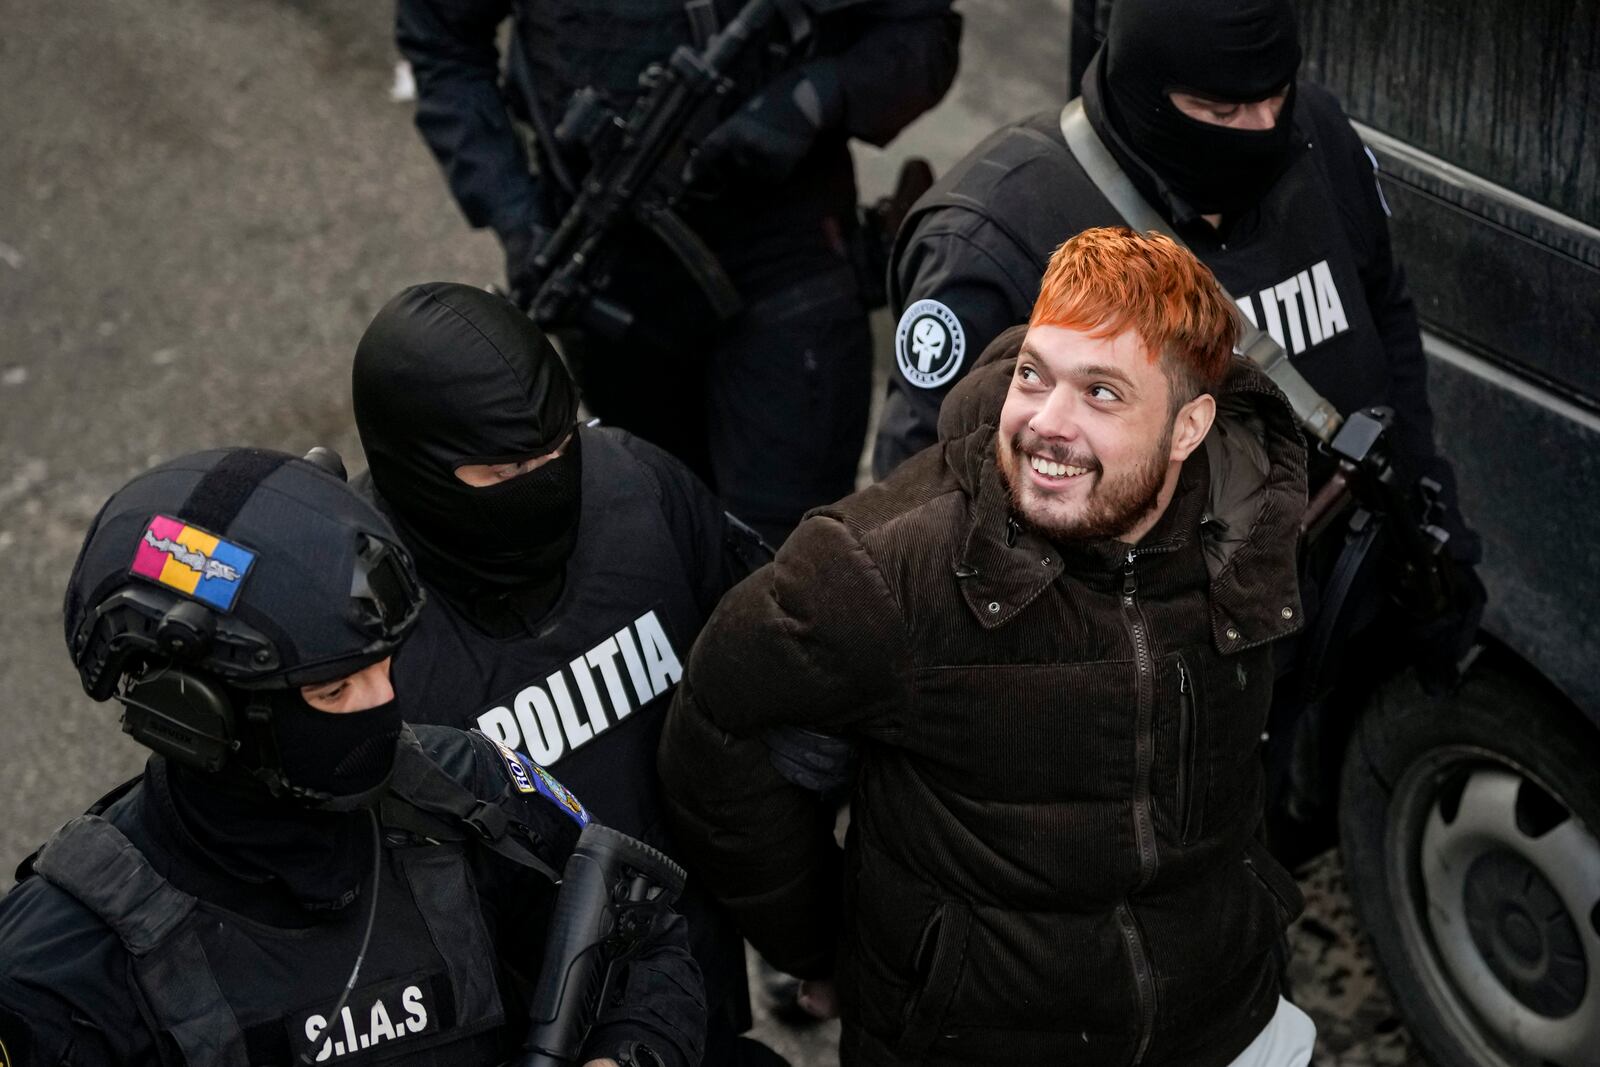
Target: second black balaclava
{"x": 1235, "y": 50}
{"x": 448, "y": 375}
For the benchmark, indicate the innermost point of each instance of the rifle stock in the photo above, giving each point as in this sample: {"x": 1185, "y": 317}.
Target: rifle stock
{"x": 611, "y": 889}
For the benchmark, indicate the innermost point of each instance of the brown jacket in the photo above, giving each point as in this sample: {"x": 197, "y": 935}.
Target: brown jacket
{"x": 1051, "y": 858}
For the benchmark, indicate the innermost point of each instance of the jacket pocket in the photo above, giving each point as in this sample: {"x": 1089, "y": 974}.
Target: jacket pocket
{"x": 940, "y": 952}
{"x": 1189, "y": 788}
{"x": 1278, "y": 883}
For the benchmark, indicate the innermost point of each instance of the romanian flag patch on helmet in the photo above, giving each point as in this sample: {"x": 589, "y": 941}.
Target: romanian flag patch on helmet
{"x": 195, "y": 563}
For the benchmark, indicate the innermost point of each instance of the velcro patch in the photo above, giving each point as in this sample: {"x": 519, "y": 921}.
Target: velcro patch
{"x": 375, "y": 1016}
{"x": 193, "y": 562}
{"x": 528, "y": 777}
{"x": 929, "y": 344}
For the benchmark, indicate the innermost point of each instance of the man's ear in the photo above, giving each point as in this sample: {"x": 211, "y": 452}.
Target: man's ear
{"x": 1191, "y": 425}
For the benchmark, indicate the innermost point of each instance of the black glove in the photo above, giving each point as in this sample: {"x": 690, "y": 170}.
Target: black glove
{"x": 769, "y": 136}
{"x": 819, "y": 762}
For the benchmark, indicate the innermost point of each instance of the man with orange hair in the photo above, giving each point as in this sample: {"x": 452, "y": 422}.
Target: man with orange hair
{"x": 1047, "y": 639}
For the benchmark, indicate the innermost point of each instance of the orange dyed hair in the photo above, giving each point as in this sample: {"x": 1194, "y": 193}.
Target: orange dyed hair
{"x": 1111, "y": 279}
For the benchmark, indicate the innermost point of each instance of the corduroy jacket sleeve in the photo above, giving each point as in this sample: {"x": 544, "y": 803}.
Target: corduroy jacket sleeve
{"x": 815, "y": 640}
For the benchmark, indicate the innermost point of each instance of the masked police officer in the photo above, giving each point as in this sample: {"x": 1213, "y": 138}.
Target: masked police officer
{"x": 297, "y": 876}
{"x": 769, "y": 407}
{"x": 1259, "y": 173}
{"x": 569, "y": 567}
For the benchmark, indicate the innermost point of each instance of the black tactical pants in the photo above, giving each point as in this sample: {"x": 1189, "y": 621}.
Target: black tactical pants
{"x": 773, "y": 416}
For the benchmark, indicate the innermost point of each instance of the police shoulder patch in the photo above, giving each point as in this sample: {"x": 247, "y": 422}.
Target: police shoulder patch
{"x": 528, "y": 777}
{"x": 929, "y": 344}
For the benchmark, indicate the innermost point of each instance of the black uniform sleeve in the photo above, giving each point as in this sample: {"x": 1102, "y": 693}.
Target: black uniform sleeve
{"x": 962, "y": 261}
{"x": 896, "y": 59}
{"x": 64, "y": 996}
{"x": 37, "y": 1030}
{"x": 718, "y": 550}
{"x": 460, "y": 112}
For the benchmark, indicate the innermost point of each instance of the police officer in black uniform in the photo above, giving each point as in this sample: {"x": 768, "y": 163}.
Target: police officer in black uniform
{"x": 569, "y": 567}
{"x": 769, "y": 408}
{"x": 1259, "y": 173}
{"x": 297, "y": 876}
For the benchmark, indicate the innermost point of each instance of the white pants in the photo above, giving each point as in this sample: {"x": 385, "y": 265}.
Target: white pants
{"x": 1287, "y": 1040}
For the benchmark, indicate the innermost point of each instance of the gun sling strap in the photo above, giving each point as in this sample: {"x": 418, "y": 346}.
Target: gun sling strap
{"x": 1315, "y": 413}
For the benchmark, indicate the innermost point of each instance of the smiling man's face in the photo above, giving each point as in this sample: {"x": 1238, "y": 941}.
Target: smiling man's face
{"x": 1086, "y": 439}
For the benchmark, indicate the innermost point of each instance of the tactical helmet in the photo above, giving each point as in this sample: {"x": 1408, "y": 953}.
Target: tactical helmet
{"x": 232, "y": 569}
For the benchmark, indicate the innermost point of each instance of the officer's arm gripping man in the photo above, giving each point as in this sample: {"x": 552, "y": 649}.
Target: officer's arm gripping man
{"x": 658, "y": 998}
{"x": 814, "y": 640}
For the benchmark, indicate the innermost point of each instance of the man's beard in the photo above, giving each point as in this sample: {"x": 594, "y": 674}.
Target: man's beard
{"x": 1115, "y": 504}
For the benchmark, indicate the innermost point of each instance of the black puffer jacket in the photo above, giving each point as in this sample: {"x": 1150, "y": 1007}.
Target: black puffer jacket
{"x": 1052, "y": 855}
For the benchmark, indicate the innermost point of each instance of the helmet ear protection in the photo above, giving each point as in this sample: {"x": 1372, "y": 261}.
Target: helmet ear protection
{"x": 184, "y": 716}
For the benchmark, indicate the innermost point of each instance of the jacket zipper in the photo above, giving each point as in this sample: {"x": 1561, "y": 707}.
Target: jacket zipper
{"x": 1143, "y": 825}
{"x": 1186, "y": 751}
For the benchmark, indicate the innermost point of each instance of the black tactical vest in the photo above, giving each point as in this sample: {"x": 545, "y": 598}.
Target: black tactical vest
{"x": 584, "y": 691}
{"x": 229, "y": 991}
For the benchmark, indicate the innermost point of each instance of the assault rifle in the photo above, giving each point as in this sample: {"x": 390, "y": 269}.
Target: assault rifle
{"x": 637, "y": 176}
{"x": 613, "y": 891}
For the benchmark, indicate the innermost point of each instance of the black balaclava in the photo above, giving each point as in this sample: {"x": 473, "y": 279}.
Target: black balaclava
{"x": 1235, "y": 50}
{"x": 250, "y": 817}
{"x": 345, "y": 756}
{"x": 449, "y": 375}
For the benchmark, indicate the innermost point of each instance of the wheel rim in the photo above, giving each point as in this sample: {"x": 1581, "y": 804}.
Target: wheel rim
{"x": 1500, "y": 884}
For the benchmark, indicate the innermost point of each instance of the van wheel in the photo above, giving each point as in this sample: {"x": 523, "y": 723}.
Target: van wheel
{"x": 1468, "y": 827}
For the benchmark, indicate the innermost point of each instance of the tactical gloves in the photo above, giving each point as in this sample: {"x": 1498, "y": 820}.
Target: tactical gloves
{"x": 777, "y": 128}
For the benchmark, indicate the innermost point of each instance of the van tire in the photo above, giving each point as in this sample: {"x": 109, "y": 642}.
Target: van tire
{"x": 1469, "y": 831}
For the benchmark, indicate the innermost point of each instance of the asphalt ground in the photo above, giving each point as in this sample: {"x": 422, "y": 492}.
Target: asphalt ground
{"x": 202, "y": 203}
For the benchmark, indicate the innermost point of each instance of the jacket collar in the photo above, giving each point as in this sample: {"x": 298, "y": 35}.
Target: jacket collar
{"x": 1001, "y": 565}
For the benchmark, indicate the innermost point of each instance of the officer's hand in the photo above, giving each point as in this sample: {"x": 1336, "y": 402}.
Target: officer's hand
{"x": 819, "y": 998}
{"x": 769, "y": 136}
{"x": 816, "y": 761}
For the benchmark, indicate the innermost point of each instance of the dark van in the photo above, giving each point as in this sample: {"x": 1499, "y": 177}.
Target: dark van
{"x": 1471, "y": 826}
